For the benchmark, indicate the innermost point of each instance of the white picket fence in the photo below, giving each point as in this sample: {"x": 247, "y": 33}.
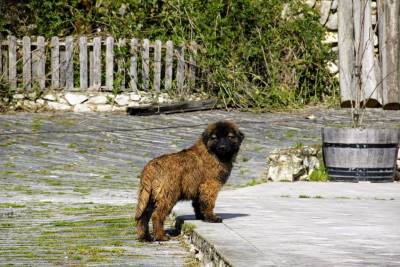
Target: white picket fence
{"x": 103, "y": 64}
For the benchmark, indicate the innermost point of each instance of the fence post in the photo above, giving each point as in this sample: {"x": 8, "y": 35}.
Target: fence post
{"x": 1, "y": 57}
{"x": 388, "y": 12}
{"x": 69, "y": 64}
{"x": 192, "y": 65}
{"x": 145, "y": 64}
{"x": 110, "y": 63}
{"x": 83, "y": 63}
{"x": 157, "y": 65}
{"x": 168, "y": 64}
{"x": 121, "y": 63}
{"x": 96, "y": 63}
{"x": 180, "y": 70}
{"x": 55, "y": 62}
{"x": 12, "y": 61}
{"x": 26, "y": 62}
{"x": 133, "y": 67}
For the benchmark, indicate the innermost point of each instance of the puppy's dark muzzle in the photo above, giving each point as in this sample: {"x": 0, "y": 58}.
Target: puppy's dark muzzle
{"x": 223, "y": 148}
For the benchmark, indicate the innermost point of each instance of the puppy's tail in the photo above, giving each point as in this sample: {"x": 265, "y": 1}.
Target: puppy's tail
{"x": 143, "y": 196}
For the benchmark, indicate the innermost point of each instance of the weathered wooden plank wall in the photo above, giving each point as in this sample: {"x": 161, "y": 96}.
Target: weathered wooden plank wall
{"x": 104, "y": 64}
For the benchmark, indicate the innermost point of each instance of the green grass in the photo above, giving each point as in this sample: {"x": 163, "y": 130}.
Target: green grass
{"x": 11, "y": 205}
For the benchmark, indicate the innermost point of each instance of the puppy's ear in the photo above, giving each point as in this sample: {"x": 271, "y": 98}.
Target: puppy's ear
{"x": 205, "y": 136}
{"x": 241, "y": 135}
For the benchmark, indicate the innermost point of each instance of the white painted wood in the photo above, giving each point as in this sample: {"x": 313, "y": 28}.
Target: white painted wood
{"x": 346, "y": 53}
{"x": 96, "y": 67}
{"x": 168, "y": 64}
{"x": 12, "y": 62}
{"x": 110, "y": 63}
{"x": 55, "y": 62}
{"x": 83, "y": 63}
{"x": 145, "y": 64}
{"x": 69, "y": 63}
{"x": 26, "y": 62}
{"x": 157, "y": 66}
{"x": 133, "y": 66}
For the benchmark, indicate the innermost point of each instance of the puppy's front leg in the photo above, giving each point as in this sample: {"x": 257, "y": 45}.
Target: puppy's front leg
{"x": 208, "y": 195}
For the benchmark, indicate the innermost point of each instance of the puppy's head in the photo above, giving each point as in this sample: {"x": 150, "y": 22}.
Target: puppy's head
{"x": 223, "y": 139}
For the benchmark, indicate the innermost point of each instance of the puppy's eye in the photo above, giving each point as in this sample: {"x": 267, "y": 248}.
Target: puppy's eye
{"x": 231, "y": 136}
{"x": 213, "y": 137}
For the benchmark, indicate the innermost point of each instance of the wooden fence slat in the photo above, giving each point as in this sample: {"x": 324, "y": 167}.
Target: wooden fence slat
{"x": 145, "y": 64}
{"x": 346, "y": 53}
{"x": 368, "y": 78}
{"x": 109, "y": 63}
{"x": 133, "y": 67}
{"x": 41, "y": 64}
{"x": 121, "y": 63}
{"x": 69, "y": 61}
{"x": 91, "y": 69}
{"x": 157, "y": 66}
{"x": 26, "y": 62}
{"x": 5, "y": 65}
{"x": 83, "y": 63}
{"x": 180, "y": 71}
{"x": 192, "y": 65}
{"x": 63, "y": 67}
{"x": 1, "y": 57}
{"x": 55, "y": 62}
{"x": 12, "y": 61}
{"x": 96, "y": 62}
{"x": 168, "y": 65}
{"x": 389, "y": 52}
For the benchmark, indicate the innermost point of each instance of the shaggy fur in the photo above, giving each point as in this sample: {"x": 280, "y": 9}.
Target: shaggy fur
{"x": 196, "y": 174}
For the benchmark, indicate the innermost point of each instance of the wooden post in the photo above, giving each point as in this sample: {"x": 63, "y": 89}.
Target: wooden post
{"x": 192, "y": 65}
{"x": 168, "y": 64}
{"x": 96, "y": 62}
{"x": 63, "y": 67}
{"x": 145, "y": 64}
{"x": 370, "y": 95}
{"x": 388, "y": 12}
{"x": 55, "y": 62}
{"x": 91, "y": 63}
{"x": 69, "y": 67}
{"x": 180, "y": 70}
{"x": 346, "y": 53}
{"x": 110, "y": 63}
{"x": 26, "y": 62}
{"x": 83, "y": 63}
{"x": 12, "y": 62}
{"x": 41, "y": 63}
{"x": 1, "y": 57}
{"x": 157, "y": 65}
{"x": 133, "y": 67}
{"x": 121, "y": 63}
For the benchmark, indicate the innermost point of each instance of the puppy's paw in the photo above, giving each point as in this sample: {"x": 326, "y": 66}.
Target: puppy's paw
{"x": 162, "y": 238}
{"x": 214, "y": 219}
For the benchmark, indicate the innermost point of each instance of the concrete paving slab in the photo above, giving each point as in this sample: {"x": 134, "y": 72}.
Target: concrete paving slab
{"x": 303, "y": 224}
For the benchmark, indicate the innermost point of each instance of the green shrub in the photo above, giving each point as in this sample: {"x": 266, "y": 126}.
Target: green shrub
{"x": 251, "y": 55}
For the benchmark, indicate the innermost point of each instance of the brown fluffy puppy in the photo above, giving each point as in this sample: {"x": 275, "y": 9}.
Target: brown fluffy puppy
{"x": 196, "y": 174}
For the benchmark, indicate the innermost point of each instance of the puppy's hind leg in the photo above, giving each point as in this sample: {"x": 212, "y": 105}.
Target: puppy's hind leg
{"x": 142, "y": 226}
{"x": 197, "y": 209}
{"x": 160, "y": 213}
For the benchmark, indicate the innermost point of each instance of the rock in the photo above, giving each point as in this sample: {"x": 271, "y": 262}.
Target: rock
{"x": 18, "y": 96}
{"x": 116, "y": 108}
{"x": 98, "y": 100}
{"x": 103, "y": 108}
{"x": 331, "y": 38}
{"x": 49, "y": 97}
{"x": 134, "y": 96}
{"x": 332, "y": 23}
{"x": 30, "y": 104}
{"x": 133, "y": 104}
{"x": 74, "y": 99}
{"x": 58, "y": 106}
{"x": 311, "y": 117}
{"x": 292, "y": 164}
{"x": 334, "y": 5}
{"x": 324, "y": 11}
{"x": 333, "y": 68}
{"x": 122, "y": 100}
{"x": 83, "y": 108}
{"x": 40, "y": 102}
{"x": 310, "y": 3}
{"x": 163, "y": 98}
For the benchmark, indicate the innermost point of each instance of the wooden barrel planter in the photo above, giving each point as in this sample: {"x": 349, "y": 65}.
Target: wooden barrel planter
{"x": 355, "y": 154}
